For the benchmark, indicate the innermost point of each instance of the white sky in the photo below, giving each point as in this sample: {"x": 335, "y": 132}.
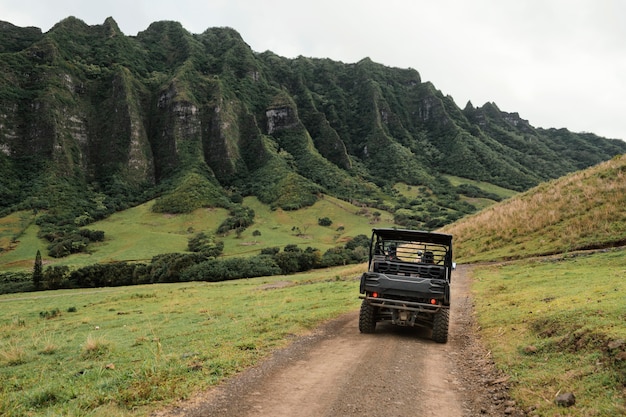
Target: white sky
{"x": 558, "y": 63}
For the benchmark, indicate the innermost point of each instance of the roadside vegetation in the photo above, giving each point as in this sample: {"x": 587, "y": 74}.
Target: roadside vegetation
{"x": 128, "y": 350}
{"x": 555, "y": 325}
{"x": 549, "y": 289}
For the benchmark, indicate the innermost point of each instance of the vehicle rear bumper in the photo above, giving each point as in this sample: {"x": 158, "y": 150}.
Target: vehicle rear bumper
{"x": 400, "y": 288}
{"x": 415, "y": 306}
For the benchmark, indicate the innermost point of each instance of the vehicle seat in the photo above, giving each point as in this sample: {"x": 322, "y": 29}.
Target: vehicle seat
{"x": 428, "y": 257}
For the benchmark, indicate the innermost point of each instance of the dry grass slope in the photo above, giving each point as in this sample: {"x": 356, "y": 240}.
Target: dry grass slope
{"x": 583, "y": 210}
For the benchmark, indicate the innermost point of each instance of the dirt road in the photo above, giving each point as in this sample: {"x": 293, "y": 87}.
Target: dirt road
{"x": 395, "y": 372}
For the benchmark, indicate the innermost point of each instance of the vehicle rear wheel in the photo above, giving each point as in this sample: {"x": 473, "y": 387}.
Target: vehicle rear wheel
{"x": 440, "y": 325}
{"x": 367, "y": 318}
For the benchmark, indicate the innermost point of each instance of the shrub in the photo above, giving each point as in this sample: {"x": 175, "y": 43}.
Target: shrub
{"x": 103, "y": 275}
{"x": 359, "y": 240}
{"x": 240, "y": 218}
{"x": 270, "y": 251}
{"x": 336, "y": 256}
{"x": 50, "y": 314}
{"x": 12, "y": 282}
{"x": 324, "y": 221}
{"x": 294, "y": 259}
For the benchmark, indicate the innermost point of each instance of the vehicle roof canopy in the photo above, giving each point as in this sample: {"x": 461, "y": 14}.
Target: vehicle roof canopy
{"x": 414, "y": 235}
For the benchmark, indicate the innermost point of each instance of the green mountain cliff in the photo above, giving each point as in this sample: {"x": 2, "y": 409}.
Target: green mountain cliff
{"x": 99, "y": 121}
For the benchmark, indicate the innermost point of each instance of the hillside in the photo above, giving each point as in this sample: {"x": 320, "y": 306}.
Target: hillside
{"x": 93, "y": 122}
{"x": 138, "y": 234}
{"x": 582, "y": 210}
{"x": 548, "y": 289}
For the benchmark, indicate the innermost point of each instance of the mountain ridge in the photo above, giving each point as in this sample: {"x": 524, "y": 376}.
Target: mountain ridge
{"x": 88, "y": 113}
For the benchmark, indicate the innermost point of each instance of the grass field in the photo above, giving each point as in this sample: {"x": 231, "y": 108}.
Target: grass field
{"x": 485, "y": 186}
{"x": 125, "y": 351}
{"x": 552, "y": 324}
{"x": 557, "y": 325}
{"x": 138, "y": 234}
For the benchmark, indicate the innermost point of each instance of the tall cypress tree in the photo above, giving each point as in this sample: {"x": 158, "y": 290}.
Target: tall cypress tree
{"x": 38, "y": 271}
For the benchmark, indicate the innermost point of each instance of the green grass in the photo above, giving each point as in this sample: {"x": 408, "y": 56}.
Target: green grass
{"x": 126, "y": 351}
{"x": 549, "y": 324}
{"x": 18, "y": 238}
{"x": 416, "y": 192}
{"x": 485, "y": 186}
{"x": 552, "y": 324}
{"x": 138, "y": 234}
{"x": 277, "y": 227}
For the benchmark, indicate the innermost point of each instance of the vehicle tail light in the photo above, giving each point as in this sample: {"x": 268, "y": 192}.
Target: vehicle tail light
{"x": 375, "y": 294}
{"x": 433, "y": 301}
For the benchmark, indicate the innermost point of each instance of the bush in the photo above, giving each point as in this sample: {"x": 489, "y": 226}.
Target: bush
{"x": 324, "y": 221}
{"x": 240, "y": 218}
{"x": 92, "y": 235}
{"x": 335, "y": 257}
{"x": 293, "y": 259}
{"x": 270, "y": 251}
{"x": 13, "y": 282}
{"x": 358, "y": 241}
{"x": 66, "y": 242}
{"x": 103, "y": 275}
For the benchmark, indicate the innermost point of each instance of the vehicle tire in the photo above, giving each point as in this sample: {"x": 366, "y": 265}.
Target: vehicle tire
{"x": 367, "y": 318}
{"x": 440, "y": 325}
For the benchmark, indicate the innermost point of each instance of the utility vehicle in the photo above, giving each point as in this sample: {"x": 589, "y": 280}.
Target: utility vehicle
{"x": 408, "y": 281}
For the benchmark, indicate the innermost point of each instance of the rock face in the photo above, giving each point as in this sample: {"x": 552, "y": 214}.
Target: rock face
{"x": 281, "y": 118}
{"x": 565, "y": 400}
{"x": 108, "y": 111}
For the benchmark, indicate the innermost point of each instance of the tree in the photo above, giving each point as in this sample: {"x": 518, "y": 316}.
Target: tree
{"x": 55, "y": 277}
{"x": 38, "y": 271}
{"x": 206, "y": 244}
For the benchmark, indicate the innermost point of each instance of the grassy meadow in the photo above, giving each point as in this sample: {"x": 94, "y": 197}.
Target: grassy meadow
{"x": 138, "y": 234}
{"x": 128, "y": 350}
{"x": 556, "y": 325}
{"x": 481, "y": 203}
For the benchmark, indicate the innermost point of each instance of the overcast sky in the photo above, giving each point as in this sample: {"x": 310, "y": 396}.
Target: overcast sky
{"x": 558, "y": 63}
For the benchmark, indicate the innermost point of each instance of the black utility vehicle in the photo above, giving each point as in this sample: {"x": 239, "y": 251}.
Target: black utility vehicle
{"x": 408, "y": 281}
